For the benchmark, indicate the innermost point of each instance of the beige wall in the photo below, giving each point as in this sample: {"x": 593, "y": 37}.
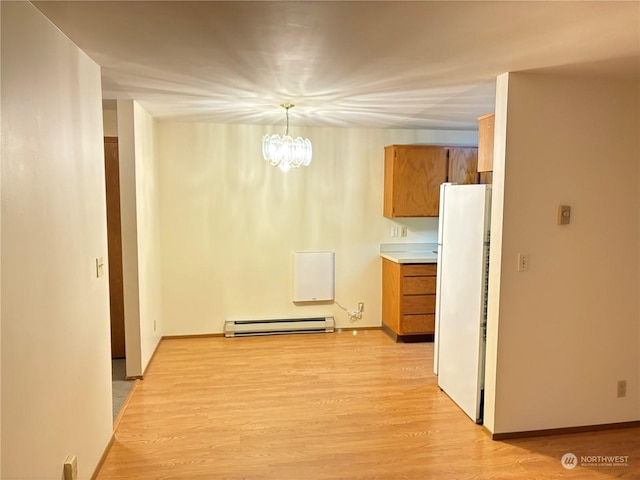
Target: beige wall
{"x": 1, "y": 154}
{"x": 495, "y": 261}
{"x": 56, "y": 382}
{"x": 568, "y": 329}
{"x": 129, "y": 232}
{"x": 230, "y": 222}
{"x": 110, "y": 122}
{"x": 147, "y": 219}
{"x": 139, "y": 197}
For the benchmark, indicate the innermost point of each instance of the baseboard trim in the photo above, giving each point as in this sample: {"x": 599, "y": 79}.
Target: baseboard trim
{"x": 351, "y": 329}
{"x": 141, "y": 377}
{"x": 198, "y": 335}
{"x": 153, "y": 355}
{"x": 103, "y": 457}
{"x": 390, "y": 333}
{"x": 560, "y": 431}
{"x": 422, "y": 337}
{"x": 217, "y": 335}
{"x": 125, "y": 405}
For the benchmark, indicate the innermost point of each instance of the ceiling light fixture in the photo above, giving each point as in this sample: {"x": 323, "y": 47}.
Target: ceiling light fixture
{"x": 285, "y": 152}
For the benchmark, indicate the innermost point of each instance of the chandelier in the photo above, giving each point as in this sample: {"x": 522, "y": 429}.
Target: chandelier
{"x": 284, "y": 151}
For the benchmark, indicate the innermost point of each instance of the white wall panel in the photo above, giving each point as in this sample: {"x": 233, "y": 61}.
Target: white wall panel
{"x": 313, "y": 276}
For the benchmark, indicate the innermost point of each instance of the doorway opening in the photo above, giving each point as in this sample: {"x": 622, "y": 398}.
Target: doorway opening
{"x": 120, "y": 385}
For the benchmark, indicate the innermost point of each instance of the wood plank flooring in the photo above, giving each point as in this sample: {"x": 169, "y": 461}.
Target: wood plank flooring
{"x": 324, "y": 406}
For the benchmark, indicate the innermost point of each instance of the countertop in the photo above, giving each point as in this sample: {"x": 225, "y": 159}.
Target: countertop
{"x": 409, "y": 252}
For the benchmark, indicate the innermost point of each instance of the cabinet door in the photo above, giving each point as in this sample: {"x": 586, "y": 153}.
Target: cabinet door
{"x": 463, "y": 165}
{"x": 391, "y": 294}
{"x": 413, "y": 174}
{"x": 486, "y": 178}
{"x": 485, "y": 142}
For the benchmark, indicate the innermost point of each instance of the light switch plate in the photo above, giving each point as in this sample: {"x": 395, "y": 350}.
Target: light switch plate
{"x": 99, "y": 267}
{"x": 564, "y": 215}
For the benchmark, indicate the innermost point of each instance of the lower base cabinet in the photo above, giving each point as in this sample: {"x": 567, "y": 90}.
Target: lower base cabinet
{"x": 408, "y": 300}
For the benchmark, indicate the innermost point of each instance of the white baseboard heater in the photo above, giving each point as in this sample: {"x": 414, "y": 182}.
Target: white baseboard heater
{"x": 279, "y": 326}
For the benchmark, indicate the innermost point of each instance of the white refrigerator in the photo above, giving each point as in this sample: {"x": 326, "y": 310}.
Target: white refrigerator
{"x": 461, "y": 294}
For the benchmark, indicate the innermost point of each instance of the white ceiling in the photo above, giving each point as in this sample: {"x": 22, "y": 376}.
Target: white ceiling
{"x": 387, "y": 64}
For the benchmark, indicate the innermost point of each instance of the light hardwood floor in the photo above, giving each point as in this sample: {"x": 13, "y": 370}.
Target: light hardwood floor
{"x": 324, "y": 406}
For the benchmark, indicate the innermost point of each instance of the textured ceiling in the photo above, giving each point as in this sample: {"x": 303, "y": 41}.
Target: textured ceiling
{"x": 390, "y": 64}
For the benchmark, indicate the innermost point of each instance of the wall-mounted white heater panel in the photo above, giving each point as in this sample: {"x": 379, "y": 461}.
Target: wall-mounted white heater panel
{"x": 313, "y": 276}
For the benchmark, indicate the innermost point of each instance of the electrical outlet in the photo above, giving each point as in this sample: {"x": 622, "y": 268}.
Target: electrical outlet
{"x": 622, "y": 388}
{"x": 71, "y": 468}
{"x": 395, "y": 231}
{"x": 360, "y": 307}
{"x": 523, "y": 262}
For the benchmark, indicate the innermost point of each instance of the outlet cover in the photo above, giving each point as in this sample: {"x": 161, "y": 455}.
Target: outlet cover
{"x": 622, "y": 388}
{"x": 523, "y": 262}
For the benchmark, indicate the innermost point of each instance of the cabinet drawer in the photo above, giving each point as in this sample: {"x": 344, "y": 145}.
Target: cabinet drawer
{"x": 418, "y": 324}
{"x": 412, "y": 304}
{"x": 418, "y": 285}
{"x": 416, "y": 270}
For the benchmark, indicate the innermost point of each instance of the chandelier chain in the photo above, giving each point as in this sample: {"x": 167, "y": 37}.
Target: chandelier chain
{"x": 287, "y": 130}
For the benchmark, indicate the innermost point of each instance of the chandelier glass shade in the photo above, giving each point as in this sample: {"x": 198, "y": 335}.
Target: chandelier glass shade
{"x": 286, "y": 152}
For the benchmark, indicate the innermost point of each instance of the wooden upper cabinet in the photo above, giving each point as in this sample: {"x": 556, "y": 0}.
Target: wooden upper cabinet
{"x": 413, "y": 175}
{"x": 412, "y": 178}
{"x": 485, "y": 142}
{"x": 463, "y": 165}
